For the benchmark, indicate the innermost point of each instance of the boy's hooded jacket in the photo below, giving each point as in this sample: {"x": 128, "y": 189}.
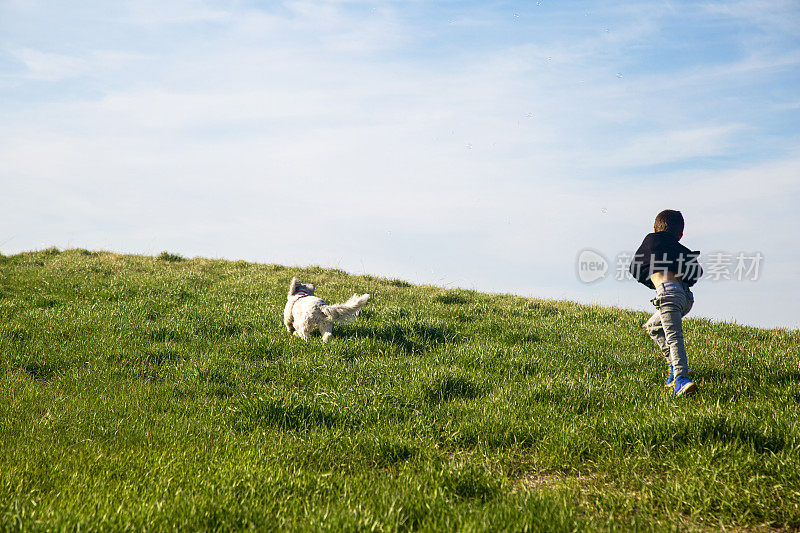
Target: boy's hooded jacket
{"x": 660, "y": 252}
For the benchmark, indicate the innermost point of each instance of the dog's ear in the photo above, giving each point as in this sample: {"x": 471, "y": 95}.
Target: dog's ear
{"x": 310, "y": 288}
{"x": 294, "y": 286}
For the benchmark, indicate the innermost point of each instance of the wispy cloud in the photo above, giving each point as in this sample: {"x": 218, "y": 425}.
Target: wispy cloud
{"x": 671, "y": 146}
{"x": 154, "y": 13}
{"x": 768, "y": 15}
{"x": 50, "y": 67}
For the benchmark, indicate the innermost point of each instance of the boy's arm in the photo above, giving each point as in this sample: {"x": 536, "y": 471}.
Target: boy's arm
{"x": 640, "y": 263}
{"x": 691, "y": 270}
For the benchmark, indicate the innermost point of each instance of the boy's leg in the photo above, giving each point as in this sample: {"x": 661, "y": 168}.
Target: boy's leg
{"x": 671, "y": 309}
{"x": 656, "y": 331}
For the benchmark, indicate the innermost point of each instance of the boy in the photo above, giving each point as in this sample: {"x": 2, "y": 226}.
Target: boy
{"x": 663, "y": 264}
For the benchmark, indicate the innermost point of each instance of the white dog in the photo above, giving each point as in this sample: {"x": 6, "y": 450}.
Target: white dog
{"x": 304, "y": 311}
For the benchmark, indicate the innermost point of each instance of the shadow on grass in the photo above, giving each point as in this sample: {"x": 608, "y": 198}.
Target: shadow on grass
{"x": 386, "y": 453}
{"x": 568, "y": 400}
{"x": 16, "y": 335}
{"x": 165, "y": 334}
{"x": 526, "y": 368}
{"x": 286, "y": 414}
{"x": 45, "y": 302}
{"x": 471, "y": 482}
{"x": 542, "y": 308}
{"x": 453, "y": 298}
{"x": 766, "y": 378}
{"x": 217, "y": 382}
{"x": 513, "y": 337}
{"x": 210, "y": 330}
{"x": 159, "y": 355}
{"x": 702, "y": 431}
{"x": 450, "y": 388}
{"x": 37, "y": 362}
{"x": 41, "y": 370}
{"x": 261, "y": 349}
{"x": 412, "y": 338}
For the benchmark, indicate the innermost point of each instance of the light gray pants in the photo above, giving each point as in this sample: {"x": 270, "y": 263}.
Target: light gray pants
{"x": 673, "y": 300}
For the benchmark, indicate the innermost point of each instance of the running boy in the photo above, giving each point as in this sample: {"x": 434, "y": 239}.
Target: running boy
{"x": 663, "y": 264}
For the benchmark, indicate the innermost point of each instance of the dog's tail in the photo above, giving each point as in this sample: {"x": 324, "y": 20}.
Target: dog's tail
{"x": 347, "y": 310}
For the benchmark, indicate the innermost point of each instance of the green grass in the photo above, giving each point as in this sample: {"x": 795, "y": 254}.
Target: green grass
{"x": 164, "y": 393}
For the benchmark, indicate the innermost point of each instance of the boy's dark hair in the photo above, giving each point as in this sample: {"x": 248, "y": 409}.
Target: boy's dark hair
{"x": 670, "y": 221}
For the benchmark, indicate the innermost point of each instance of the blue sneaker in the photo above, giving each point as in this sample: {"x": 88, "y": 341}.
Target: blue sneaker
{"x": 671, "y": 377}
{"x": 684, "y": 386}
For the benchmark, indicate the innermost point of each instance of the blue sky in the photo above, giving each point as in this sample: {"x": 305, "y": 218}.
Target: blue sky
{"x": 473, "y": 144}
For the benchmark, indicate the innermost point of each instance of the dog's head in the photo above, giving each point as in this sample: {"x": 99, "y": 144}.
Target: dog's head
{"x": 295, "y": 287}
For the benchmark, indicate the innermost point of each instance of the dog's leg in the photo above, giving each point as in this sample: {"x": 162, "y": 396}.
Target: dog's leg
{"x": 326, "y": 328}
{"x": 287, "y": 318}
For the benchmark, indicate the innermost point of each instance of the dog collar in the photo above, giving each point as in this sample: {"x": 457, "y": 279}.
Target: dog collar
{"x": 297, "y": 296}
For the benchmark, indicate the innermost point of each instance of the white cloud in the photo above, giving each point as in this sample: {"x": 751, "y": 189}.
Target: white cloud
{"x": 671, "y": 146}
{"x": 50, "y": 67}
{"x": 154, "y": 12}
{"x": 770, "y": 15}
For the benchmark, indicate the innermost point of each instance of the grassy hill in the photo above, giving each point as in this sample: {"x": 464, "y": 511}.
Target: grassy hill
{"x": 161, "y": 393}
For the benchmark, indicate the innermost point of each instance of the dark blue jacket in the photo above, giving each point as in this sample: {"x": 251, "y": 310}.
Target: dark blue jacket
{"x": 660, "y": 252}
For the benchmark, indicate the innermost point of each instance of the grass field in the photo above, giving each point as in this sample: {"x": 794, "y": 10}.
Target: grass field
{"x": 162, "y": 393}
